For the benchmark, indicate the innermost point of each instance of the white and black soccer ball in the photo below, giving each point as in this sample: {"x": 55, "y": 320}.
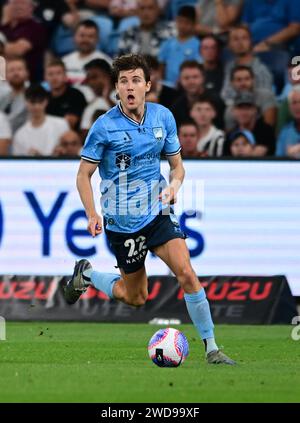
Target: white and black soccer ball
{"x": 168, "y": 348}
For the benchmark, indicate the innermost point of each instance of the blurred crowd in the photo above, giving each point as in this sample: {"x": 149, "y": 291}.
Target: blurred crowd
{"x": 229, "y": 70}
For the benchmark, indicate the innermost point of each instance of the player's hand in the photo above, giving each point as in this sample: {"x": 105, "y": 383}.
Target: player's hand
{"x": 168, "y": 195}
{"x": 95, "y": 225}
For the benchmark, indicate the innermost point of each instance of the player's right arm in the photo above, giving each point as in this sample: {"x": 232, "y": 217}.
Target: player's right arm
{"x": 84, "y": 186}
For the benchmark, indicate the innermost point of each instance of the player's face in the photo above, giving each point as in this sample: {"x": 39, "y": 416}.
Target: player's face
{"x": 132, "y": 88}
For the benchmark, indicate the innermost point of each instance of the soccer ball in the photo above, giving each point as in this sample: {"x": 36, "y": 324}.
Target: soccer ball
{"x": 168, "y": 348}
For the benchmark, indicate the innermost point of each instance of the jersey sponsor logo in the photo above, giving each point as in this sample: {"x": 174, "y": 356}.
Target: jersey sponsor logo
{"x": 145, "y": 159}
{"x": 123, "y": 161}
{"x": 158, "y": 133}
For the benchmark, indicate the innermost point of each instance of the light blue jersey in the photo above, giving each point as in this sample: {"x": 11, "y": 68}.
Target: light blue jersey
{"x": 128, "y": 154}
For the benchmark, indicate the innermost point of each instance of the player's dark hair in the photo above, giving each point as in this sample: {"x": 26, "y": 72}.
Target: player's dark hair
{"x": 36, "y": 93}
{"x": 239, "y": 68}
{"x": 87, "y": 23}
{"x": 99, "y": 64}
{"x": 188, "y": 12}
{"x": 188, "y": 64}
{"x": 130, "y": 62}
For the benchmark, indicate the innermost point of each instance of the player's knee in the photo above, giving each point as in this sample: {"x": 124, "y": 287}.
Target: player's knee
{"x": 187, "y": 278}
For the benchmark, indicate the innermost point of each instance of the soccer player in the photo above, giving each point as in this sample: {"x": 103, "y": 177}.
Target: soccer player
{"x": 125, "y": 144}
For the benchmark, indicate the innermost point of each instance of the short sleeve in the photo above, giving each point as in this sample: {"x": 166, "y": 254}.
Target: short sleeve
{"x": 172, "y": 144}
{"x": 95, "y": 143}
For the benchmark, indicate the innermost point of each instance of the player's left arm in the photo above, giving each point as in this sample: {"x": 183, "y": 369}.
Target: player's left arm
{"x": 177, "y": 172}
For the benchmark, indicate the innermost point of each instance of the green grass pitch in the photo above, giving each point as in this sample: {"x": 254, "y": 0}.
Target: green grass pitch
{"x": 106, "y": 363}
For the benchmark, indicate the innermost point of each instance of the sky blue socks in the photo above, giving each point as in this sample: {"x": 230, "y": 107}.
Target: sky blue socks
{"x": 102, "y": 281}
{"x": 199, "y": 311}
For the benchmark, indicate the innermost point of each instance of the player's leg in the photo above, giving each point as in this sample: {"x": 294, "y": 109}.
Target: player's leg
{"x": 129, "y": 288}
{"x": 176, "y": 255}
{"x": 132, "y": 289}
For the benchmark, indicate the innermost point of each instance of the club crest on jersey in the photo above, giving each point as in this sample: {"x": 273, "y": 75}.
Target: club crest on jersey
{"x": 123, "y": 161}
{"x": 158, "y": 133}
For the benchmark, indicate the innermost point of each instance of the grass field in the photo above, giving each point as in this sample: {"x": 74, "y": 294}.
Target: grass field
{"x": 92, "y": 362}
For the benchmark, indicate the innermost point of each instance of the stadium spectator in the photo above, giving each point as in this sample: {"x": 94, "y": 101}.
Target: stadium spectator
{"x": 122, "y": 8}
{"x": 284, "y": 114}
{"x": 184, "y": 46}
{"x": 288, "y": 143}
{"x": 210, "y": 139}
{"x": 49, "y": 13}
{"x": 210, "y": 51}
{"x": 192, "y": 81}
{"x": 148, "y": 36}
{"x": 12, "y": 99}
{"x": 240, "y": 45}
{"x": 247, "y": 117}
{"x": 99, "y": 80}
{"x": 26, "y": 37}
{"x": 217, "y": 16}
{"x": 188, "y": 137}
{"x": 241, "y": 144}
{"x": 293, "y": 78}
{"x": 41, "y": 133}
{"x": 5, "y": 135}
{"x": 275, "y": 28}
{"x": 64, "y": 100}
{"x": 242, "y": 79}
{"x": 79, "y": 10}
{"x": 86, "y": 38}
{"x": 69, "y": 145}
{"x": 159, "y": 92}
{"x": 274, "y": 23}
